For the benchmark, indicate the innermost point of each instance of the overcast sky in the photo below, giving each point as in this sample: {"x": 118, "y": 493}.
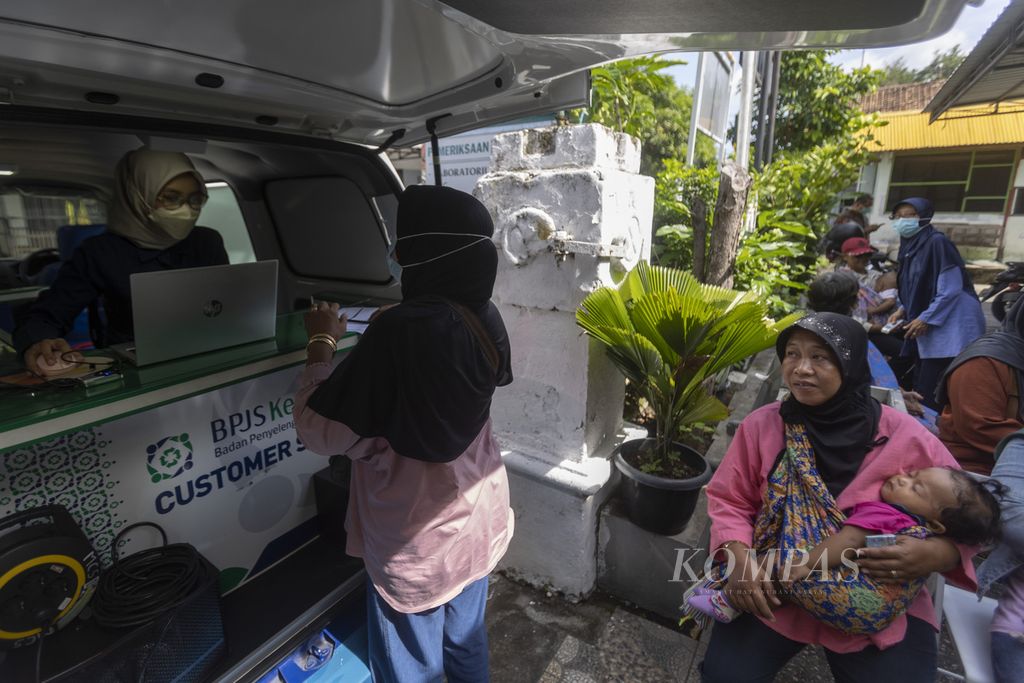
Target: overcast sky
{"x": 969, "y": 28}
{"x": 966, "y": 33}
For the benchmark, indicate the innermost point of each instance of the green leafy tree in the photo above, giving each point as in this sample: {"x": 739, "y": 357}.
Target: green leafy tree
{"x": 818, "y": 100}
{"x": 897, "y": 72}
{"x": 802, "y": 186}
{"x": 795, "y": 193}
{"x": 942, "y": 66}
{"x": 635, "y": 96}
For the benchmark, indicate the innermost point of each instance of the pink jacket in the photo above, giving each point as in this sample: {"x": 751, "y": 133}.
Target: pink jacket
{"x": 736, "y": 492}
{"x": 424, "y": 530}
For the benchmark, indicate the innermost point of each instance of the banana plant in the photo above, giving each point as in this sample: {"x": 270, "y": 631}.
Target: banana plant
{"x": 670, "y": 334}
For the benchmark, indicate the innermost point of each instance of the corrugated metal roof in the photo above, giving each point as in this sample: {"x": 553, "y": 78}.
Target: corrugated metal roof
{"x": 911, "y": 130}
{"x": 993, "y": 72}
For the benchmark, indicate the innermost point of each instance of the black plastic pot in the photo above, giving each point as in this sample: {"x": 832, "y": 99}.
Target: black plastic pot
{"x": 657, "y": 504}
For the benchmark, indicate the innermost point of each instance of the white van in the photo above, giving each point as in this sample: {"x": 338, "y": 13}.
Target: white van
{"x": 286, "y": 109}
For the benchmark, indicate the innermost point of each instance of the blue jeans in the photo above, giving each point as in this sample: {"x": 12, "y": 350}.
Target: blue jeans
{"x": 449, "y": 640}
{"x": 747, "y": 651}
{"x": 1007, "y": 657}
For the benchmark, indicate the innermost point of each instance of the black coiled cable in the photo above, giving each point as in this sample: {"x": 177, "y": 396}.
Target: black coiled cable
{"x": 139, "y": 588}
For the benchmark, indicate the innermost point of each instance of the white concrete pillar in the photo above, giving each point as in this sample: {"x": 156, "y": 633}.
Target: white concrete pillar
{"x": 885, "y": 238}
{"x": 571, "y": 213}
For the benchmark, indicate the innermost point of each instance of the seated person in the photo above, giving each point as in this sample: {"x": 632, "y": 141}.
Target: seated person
{"x": 838, "y": 292}
{"x": 856, "y": 254}
{"x": 151, "y": 227}
{"x": 980, "y": 394}
{"x": 842, "y": 446}
{"x": 1005, "y": 564}
{"x": 935, "y": 500}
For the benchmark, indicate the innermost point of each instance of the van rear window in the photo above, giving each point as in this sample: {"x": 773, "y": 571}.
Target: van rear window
{"x": 328, "y": 229}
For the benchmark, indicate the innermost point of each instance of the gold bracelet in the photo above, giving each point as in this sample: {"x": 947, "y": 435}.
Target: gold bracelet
{"x": 324, "y": 335}
{"x": 324, "y": 339}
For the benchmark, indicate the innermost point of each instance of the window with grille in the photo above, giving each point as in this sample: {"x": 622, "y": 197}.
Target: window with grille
{"x": 29, "y": 220}
{"x": 963, "y": 182}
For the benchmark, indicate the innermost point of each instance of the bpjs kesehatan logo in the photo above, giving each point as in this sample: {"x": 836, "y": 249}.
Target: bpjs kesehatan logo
{"x": 169, "y": 457}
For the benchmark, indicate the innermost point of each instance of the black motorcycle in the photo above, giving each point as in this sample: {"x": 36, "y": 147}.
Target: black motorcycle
{"x": 1006, "y": 289}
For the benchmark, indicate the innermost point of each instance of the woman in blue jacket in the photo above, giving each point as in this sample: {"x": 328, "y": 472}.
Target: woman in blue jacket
{"x": 936, "y": 296}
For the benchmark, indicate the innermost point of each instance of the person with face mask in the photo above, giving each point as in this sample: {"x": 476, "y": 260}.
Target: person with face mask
{"x": 410, "y": 406}
{"x": 151, "y": 226}
{"x": 936, "y": 296}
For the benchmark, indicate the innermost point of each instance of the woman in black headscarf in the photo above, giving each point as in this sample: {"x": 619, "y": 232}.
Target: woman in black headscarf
{"x": 410, "y": 405}
{"x": 980, "y": 393}
{"x": 846, "y": 446}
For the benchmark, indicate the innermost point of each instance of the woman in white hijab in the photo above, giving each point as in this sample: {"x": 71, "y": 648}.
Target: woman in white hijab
{"x": 151, "y": 226}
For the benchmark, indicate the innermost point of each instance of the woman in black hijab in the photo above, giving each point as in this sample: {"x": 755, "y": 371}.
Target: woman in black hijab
{"x": 410, "y": 406}
{"x": 828, "y": 447}
{"x": 980, "y": 394}
{"x": 841, "y": 428}
{"x": 428, "y": 367}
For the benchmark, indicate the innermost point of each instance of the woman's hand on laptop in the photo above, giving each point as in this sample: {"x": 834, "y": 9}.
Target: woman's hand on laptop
{"x": 44, "y": 356}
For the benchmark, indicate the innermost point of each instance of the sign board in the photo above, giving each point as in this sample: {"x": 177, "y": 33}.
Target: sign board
{"x": 466, "y": 156}
{"x": 713, "y": 113}
{"x": 223, "y": 471}
{"x": 712, "y": 94}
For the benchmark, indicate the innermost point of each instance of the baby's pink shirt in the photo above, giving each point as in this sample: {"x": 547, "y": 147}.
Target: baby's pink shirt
{"x": 424, "y": 530}
{"x": 879, "y": 518}
{"x": 736, "y": 492}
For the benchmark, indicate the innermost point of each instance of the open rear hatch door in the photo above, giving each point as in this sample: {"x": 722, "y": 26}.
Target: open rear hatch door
{"x": 370, "y": 71}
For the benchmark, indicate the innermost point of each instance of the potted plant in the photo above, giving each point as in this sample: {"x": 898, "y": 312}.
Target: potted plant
{"x": 670, "y": 335}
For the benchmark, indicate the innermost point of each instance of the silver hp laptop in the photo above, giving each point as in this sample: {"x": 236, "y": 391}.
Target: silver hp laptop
{"x": 192, "y": 310}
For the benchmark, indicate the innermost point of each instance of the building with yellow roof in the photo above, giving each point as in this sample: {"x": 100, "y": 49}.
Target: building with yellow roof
{"x": 966, "y": 162}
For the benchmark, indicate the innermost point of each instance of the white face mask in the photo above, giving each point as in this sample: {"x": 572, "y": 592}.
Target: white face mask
{"x": 480, "y": 238}
{"x": 177, "y": 223}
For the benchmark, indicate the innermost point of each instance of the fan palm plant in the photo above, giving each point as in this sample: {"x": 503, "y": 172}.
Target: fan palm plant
{"x": 670, "y": 334}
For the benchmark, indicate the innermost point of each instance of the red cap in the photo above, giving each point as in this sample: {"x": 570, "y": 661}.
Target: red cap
{"x": 857, "y": 246}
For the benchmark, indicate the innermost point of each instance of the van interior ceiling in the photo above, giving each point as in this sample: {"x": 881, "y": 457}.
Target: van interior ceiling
{"x": 80, "y": 161}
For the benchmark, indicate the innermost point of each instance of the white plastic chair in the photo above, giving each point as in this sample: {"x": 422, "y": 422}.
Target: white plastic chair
{"x": 969, "y": 621}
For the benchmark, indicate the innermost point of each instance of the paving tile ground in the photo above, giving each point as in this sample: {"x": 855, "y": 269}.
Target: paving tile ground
{"x": 536, "y": 636}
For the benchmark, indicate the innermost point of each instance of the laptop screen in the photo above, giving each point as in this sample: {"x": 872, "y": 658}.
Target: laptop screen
{"x": 187, "y": 311}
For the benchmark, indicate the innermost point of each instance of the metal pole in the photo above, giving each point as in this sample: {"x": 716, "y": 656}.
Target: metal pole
{"x": 698, "y": 96}
{"x": 773, "y": 106}
{"x": 746, "y": 104}
{"x": 762, "y": 107}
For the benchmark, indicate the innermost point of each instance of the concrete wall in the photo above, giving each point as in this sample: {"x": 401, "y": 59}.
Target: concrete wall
{"x": 571, "y": 213}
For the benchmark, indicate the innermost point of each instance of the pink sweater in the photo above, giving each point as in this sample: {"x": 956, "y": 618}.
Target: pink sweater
{"x": 736, "y": 492}
{"x": 424, "y": 530}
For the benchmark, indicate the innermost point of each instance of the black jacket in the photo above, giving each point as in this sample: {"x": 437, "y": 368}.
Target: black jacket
{"x": 100, "y": 269}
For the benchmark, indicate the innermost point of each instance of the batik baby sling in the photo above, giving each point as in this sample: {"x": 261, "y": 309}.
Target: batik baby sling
{"x": 798, "y": 513}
